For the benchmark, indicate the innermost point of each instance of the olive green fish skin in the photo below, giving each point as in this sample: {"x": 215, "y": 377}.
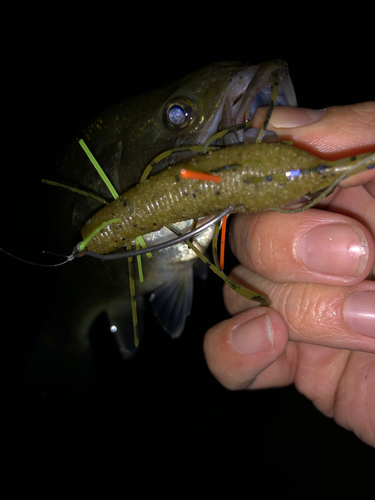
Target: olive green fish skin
{"x": 252, "y": 178}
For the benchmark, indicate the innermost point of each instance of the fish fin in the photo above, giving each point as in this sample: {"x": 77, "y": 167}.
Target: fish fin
{"x": 172, "y": 302}
{"x": 200, "y": 270}
{"x": 121, "y": 326}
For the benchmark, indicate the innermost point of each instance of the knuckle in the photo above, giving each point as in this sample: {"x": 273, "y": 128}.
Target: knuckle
{"x": 309, "y": 311}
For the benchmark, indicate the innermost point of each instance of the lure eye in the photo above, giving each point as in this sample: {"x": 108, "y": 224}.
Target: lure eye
{"x": 179, "y": 113}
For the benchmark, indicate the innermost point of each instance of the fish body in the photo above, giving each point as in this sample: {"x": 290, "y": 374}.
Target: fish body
{"x": 124, "y": 140}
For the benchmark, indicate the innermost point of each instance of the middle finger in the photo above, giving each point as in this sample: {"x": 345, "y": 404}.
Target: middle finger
{"x": 313, "y": 246}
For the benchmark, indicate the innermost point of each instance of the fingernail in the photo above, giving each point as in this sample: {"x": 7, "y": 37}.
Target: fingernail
{"x": 289, "y": 117}
{"x": 338, "y": 249}
{"x": 253, "y": 336}
{"x": 359, "y": 313}
{"x": 295, "y": 117}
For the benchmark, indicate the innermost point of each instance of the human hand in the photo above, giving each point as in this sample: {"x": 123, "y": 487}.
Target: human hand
{"x": 319, "y": 332}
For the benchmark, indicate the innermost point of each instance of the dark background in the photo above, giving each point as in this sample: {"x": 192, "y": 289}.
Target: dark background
{"x": 62, "y": 75}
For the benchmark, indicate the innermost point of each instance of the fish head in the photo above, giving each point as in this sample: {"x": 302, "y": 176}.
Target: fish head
{"x": 129, "y": 135}
{"x": 219, "y": 96}
{"x": 194, "y": 108}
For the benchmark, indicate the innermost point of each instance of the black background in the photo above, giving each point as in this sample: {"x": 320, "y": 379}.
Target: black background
{"x": 63, "y": 74}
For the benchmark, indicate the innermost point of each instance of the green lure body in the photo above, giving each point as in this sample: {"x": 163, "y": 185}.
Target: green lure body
{"x": 253, "y": 177}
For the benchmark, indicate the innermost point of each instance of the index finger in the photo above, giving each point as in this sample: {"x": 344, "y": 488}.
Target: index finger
{"x": 332, "y": 133}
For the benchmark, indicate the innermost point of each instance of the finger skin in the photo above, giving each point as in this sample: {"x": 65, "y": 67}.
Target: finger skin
{"x": 340, "y": 383}
{"x": 340, "y": 131}
{"x": 314, "y": 313}
{"x": 313, "y": 345}
{"x": 267, "y": 243}
{"x": 236, "y": 370}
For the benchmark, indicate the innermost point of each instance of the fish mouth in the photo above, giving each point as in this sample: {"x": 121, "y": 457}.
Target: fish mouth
{"x": 249, "y": 90}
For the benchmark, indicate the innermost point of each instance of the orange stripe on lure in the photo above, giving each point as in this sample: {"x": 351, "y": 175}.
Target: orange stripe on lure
{"x": 222, "y": 241}
{"x": 199, "y": 176}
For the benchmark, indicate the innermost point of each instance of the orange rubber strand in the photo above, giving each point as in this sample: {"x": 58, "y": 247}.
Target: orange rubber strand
{"x": 199, "y": 176}
{"x": 222, "y": 241}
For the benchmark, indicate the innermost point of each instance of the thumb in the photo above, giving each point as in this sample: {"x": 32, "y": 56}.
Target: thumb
{"x": 241, "y": 348}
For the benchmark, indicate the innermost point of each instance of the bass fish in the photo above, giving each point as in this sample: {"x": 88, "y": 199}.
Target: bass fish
{"x": 125, "y": 139}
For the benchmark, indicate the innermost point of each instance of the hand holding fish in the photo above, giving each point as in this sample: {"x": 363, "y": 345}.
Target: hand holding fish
{"x": 320, "y": 330}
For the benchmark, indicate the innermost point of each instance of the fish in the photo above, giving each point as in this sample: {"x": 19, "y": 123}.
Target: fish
{"x": 124, "y": 139}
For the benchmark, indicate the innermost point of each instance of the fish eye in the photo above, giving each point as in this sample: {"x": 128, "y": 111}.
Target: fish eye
{"x": 179, "y": 113}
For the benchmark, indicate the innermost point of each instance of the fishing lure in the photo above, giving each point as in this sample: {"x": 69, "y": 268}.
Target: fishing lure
{"x": 252, "y": 178}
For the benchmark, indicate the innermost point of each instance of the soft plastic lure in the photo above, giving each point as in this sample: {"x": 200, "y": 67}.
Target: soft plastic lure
{"x": 252, "y": 178}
